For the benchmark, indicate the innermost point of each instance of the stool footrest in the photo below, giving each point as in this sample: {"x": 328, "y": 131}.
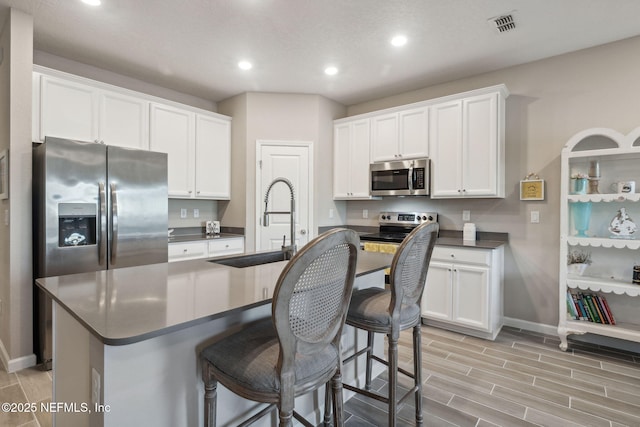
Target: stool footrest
{"x": 379, "y": 397}
{"x": 384, "y": 362}
{"x": 354, "y": 355}
{"x": 259, "y": 415}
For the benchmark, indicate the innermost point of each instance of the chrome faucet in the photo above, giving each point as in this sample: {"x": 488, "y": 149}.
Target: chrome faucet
{"x": 291, "y": 249}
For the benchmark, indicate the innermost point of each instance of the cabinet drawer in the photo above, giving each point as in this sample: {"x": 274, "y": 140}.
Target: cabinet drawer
{"x": 470, "y": 256}
{"x": 226, "y": 247}
{"x": 185, "y": 251}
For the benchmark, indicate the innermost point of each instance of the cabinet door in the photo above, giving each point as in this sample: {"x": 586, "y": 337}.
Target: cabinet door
{"x": 480, "y": 146}
{"x": 414, "y": 133}
{"x": 68, "y": 110}
{"x": 172, "y": 133}
{"x": 351, "y": 146}
{"x": 341, "y": 160}
{"x": 213, "y": 158}
{"x": 360, "y": 159}
{"x": 124, "y": 121}
{"x": 436, "y": 298}
{"x": 445, "y": 125}
{"x": 187, "y": 250}
{"x": 471, "y": 296}
{"x": 223, "y": 247}
{"x": 384, "y": 138}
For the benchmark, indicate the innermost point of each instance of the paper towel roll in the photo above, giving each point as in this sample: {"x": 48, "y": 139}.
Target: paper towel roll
{"x": 469, "y": 231}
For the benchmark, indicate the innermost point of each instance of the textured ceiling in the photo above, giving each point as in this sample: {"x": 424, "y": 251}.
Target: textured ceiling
{"x": 193, "y": 46}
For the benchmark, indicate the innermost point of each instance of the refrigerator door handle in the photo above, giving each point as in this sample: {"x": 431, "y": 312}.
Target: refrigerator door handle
{"x": 102, "y": 224}
{"x": 114, "y": 223}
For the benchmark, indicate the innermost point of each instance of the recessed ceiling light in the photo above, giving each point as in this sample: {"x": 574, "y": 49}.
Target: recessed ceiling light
{"x": 92, "y": 2}
{"x": 331, "y": 71}
{"x": 399, "y": 40}
{"x": 245, "y": 65}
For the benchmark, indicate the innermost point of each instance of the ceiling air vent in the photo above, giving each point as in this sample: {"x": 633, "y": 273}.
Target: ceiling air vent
{"x": 503, "y": 23}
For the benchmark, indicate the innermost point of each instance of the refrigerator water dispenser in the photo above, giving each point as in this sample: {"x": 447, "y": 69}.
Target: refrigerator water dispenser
{"x": 77, "y": 224}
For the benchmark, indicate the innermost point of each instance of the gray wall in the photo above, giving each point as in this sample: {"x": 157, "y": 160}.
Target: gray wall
{"x": 16, "y": 283}
{"x": 550, "y": 101}
{"x": 278, "y": 117}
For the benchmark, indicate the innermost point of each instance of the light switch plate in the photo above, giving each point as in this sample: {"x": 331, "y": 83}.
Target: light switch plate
{"x": 196, "y": 213}
{"x": 466, "y": 215}
{"x": 183, "y": 213}
{"x": 535, "y": 217}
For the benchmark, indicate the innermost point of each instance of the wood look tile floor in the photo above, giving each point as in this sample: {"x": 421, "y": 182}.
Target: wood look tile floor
{"x": 520, "y": 379}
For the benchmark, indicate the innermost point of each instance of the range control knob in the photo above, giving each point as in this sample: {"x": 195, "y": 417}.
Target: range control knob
{"x": 424, "y": 217}
{"x": 430, "y": 218}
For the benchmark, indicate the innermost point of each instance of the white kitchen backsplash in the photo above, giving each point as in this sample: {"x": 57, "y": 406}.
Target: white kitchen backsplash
{"x": 206, "y": 210}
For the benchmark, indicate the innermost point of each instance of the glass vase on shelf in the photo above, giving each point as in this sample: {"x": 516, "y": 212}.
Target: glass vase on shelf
{"x": 580, "y": 185}
{"x": 581, "y": 212}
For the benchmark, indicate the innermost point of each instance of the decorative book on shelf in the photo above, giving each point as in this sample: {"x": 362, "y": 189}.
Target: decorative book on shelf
{"x": 591, "y": 307}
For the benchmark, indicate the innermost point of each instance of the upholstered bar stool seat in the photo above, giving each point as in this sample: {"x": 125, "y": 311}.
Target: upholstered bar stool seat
{"x": 369, "y": 309}
{"x": 297, "y": 349}
{"x": 250, "y": 359}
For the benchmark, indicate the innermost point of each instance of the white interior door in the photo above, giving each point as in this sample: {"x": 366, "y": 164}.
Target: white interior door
{"x": 294, "y": 162}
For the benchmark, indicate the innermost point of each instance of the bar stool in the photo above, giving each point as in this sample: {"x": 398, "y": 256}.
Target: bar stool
{"x": 298, "y": 348}
{"x": 392, "y": 310}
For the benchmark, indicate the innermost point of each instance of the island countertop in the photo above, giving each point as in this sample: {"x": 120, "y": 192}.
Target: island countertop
{"x": 128, "y": 305}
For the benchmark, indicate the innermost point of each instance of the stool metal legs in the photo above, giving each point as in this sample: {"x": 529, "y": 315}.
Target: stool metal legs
{"x": 393, "y": 370}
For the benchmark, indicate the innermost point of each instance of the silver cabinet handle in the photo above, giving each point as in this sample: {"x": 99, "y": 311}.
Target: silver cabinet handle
{"x": 410, "y": 178}
{"x": 303, "y": 232}
{"x": 114, "y": 223}
{"x": 102, "y": 224}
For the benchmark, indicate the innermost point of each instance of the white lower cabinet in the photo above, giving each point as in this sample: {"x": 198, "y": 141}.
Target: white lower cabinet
{"x": 464, "y": 290}
{"x": 198, "y": 249}
{"x": 223, "y": 247}
{"x": 187, "y": 250}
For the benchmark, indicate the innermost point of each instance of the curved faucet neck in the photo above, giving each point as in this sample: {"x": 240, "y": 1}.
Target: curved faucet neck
{"x": 291, "y": 249}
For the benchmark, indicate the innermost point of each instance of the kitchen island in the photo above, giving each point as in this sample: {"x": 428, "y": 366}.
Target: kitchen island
{"x": 126, "y": 341}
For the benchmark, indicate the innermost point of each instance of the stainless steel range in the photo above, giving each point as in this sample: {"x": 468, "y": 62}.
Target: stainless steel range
{"x": 395, "y": 226}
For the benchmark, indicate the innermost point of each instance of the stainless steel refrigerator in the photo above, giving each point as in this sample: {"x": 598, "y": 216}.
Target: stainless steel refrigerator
{"x": 96, "y": 207}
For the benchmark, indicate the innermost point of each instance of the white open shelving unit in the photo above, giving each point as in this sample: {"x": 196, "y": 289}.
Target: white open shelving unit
{"x": 611, "y": 272}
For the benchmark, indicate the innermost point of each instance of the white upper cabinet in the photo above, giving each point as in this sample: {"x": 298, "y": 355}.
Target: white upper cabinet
{"x": 124, "y": 120}
{"x": 199, "y": 151}
{"x": 467, "y": 146}
{"x": 67, "y": 110}
{"x": 400, "y": 135}
{"x": 172, "y": 132}
{"x": 74, "y": 110}
{"x": 351, "y": 160}
{"x": 198, "y": 142}
{"x": 213, "y": 157}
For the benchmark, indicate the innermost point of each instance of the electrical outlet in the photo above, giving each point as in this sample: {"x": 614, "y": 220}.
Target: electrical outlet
{"x": 95, "y": 387}
{"x": 365, "y": 213}
{"x": 466, "y": 215}
{"x": 330, "y": 213}
{"x": 183, "y": 213}
{"x": 196, "y": 213}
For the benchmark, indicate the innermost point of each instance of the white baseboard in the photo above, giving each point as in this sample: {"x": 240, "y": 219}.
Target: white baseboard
{"x": 531, "y": 326}
{"x": 14, "y": 365}
{"x": 587, "y": 338}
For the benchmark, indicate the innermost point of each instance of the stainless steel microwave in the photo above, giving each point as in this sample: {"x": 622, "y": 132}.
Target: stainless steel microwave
{"x": 400, "y": 178}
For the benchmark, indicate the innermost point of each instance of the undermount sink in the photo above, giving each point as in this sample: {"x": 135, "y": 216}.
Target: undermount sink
{"x": 242, "y": 261}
